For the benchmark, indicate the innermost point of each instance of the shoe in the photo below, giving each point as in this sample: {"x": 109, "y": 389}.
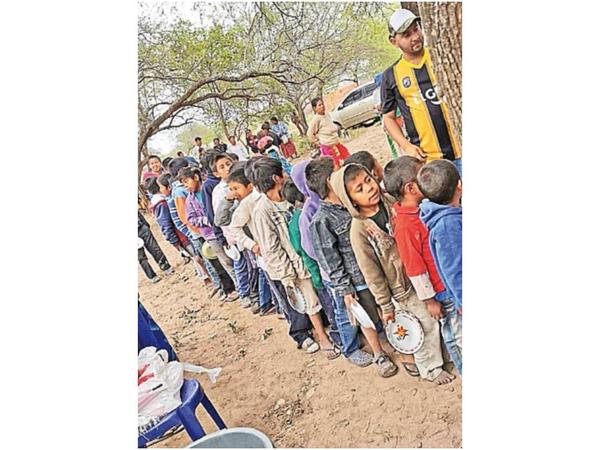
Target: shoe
{"x": 186, "y": 259}
{"x": 255, "y": 309}
{"x": 361, "y": 358}
{"x": 245, "y": 302}
{"x": 168, "y": 271}
{"x": 232, "y": 297}
{"x": 266, "y": 312}
{"x": 385, "y": 366}
{"x": 156, "y": 279}
{"x": 310, "y": 346}
{"x": 214, "y": 291}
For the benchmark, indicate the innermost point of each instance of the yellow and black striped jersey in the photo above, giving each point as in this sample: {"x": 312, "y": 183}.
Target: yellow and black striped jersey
{"x": 413, "y": 89}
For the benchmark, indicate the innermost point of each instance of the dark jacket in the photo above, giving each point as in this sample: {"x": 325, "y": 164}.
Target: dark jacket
{"x": 160, "y": 209}
{"x": 330, "y": 234}
{"x": 445, "y": 239}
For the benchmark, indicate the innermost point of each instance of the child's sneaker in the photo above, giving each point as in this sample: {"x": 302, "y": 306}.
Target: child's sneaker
{"x": 310, "y": 346}
{"x": 255, "y": 309}
{"x": 385, "y": 366}
{"x": 156, "y": 279}
{"x": 168, "y": 271}
{"x": 245, "y": 302}
{"x": 361, "y": 358}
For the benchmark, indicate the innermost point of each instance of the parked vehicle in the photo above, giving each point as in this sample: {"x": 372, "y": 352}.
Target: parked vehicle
{"x": 356, "y": 108}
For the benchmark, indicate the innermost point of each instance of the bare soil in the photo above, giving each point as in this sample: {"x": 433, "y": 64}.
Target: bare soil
{"x": 296, "y": 399}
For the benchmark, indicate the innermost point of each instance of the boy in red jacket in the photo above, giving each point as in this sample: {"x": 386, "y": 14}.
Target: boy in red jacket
{"x": 412, "y": 239}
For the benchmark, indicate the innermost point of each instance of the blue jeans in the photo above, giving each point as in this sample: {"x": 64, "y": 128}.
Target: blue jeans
{"x": 458, "y": 164}
{"x": 327, "y": 304}
{"x": 451, "y": 325}
{"x": 242, "y": 276}
{"x": 264, "y": 292}
{"x": 299, "y": 323}
{"x": 348, "y": 332}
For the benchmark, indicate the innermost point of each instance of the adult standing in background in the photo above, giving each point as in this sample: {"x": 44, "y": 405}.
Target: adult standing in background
{"x": 237, "y": 148}
{"x": 155, "y": 168}
{"x": 282, "y": 131}
{"x": 324, "y": 132}
{"x": 410, "y": 85}
{"x": 218, "y": 146}
{"x": 198, "y": 148}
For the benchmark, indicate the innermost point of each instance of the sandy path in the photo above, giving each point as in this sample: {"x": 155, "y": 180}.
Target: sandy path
{"x": 298, "y": 400}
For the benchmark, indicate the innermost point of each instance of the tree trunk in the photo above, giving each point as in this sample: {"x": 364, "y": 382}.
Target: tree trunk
{"x": 301, "y": 120}
{"x": 442, "y": 26}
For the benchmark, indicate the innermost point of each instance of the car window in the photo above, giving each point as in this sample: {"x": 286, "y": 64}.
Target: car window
{"x": 369, "y": 88}
{"x": 353, "y": 97}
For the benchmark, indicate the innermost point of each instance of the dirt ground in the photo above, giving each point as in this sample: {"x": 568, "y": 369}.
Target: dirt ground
{"x": 296, "y": 399}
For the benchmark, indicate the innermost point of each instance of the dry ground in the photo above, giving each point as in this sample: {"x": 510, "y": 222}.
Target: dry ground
{"x": 298, "y": 400}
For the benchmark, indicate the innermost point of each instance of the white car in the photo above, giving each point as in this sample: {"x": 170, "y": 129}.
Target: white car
{"x": 356, "y": 108}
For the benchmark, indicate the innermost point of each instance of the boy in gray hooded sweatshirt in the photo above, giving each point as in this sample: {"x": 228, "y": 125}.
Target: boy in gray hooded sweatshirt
{"x": 379, "y": 260}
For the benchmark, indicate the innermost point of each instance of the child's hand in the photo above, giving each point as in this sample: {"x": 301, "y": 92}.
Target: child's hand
{"x": 256, "y": 250}
{"x": 434, "y": 308}
{"x": 388, "y": 317}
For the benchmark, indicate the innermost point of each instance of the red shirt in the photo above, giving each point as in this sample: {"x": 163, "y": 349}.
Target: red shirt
{"x": 412, "y": 239}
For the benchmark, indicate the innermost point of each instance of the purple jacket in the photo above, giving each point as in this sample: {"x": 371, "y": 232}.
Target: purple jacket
{"x": 195, "y": 215}
{"x": 311, "y": 205}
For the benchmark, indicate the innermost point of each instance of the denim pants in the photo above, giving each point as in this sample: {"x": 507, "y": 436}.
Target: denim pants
{"x": 210, "y": 268}
{"x": 299, "y": 323}
{"x": 348, "y": 332}
{"x": 242, "y": 275}
{"x": 451, "y": 325}
{"x": 264, "y": 292}
{"x": 326, "y": 301}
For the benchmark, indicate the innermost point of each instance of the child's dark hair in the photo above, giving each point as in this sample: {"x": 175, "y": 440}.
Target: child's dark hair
{"x": 165, "y": 180}
{"x": 216, "y": 157}
{"x": 250, "y": 167}
{"x": 438, "y": 180}
{"x": 314, "y": 101}
{"x": 237, "y": 174}
{"x": 151, "y": 185}
{"x": 291, "y": 193}
{"x": 176, "y": 165}
{"x": 317, "y": 173}
{"x": 364, "y": 158}
{"x": 166, "y": 162}
{"x": 189, "y": 172}
{"x": 263, "y": 171}
{"x": 353, "y": 171}
{"x": 234, "y": 158}
{"x": 399, "y": 172}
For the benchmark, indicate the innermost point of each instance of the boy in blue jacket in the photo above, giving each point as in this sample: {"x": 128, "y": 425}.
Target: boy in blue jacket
{"x": 440, "y": 183}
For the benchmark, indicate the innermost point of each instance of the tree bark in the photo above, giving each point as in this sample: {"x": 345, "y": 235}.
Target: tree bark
{"x": 442, "y": 27}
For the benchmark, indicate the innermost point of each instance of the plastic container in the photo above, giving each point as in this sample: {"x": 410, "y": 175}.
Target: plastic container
{"x": 233, "y": 438}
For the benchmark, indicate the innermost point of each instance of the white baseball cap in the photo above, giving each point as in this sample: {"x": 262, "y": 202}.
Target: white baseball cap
{"x": 401, "y": 20}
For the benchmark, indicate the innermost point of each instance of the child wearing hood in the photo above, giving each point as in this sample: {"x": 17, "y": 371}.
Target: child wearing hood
{"x": 412, "y": 239}
{"x": 270, "y": 217}
{"x": 440, "y": 182}
{"x": 296, "y": 199}
{"x": 379, "y": 261}
{"x": 330, "y": 232}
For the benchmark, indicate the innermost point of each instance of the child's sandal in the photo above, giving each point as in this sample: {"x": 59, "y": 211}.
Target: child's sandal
{"x": 331, "y": 353}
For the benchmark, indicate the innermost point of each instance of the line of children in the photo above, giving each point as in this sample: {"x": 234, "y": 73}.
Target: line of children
{"x": 317, "y": 244}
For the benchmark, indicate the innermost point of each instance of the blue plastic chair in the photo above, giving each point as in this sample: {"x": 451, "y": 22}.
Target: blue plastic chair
{"x": 191, "y": 395}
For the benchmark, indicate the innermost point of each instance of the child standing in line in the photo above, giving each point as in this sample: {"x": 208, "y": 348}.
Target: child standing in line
{"x": 379, "y": 261}
{"x": 242, "y": 227}
{"x": 220, "y": 195}
{"x": 412, "y": 239}
{"x": 440, "y": 182}
{"x": 203, "y": 232}
{"x": 296, "y": 199}
{"x": 330, "y": 232}
{"x": 160, "y": 208}
{"x": 271, "y": 216}
{"x": 214, "y": 270}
